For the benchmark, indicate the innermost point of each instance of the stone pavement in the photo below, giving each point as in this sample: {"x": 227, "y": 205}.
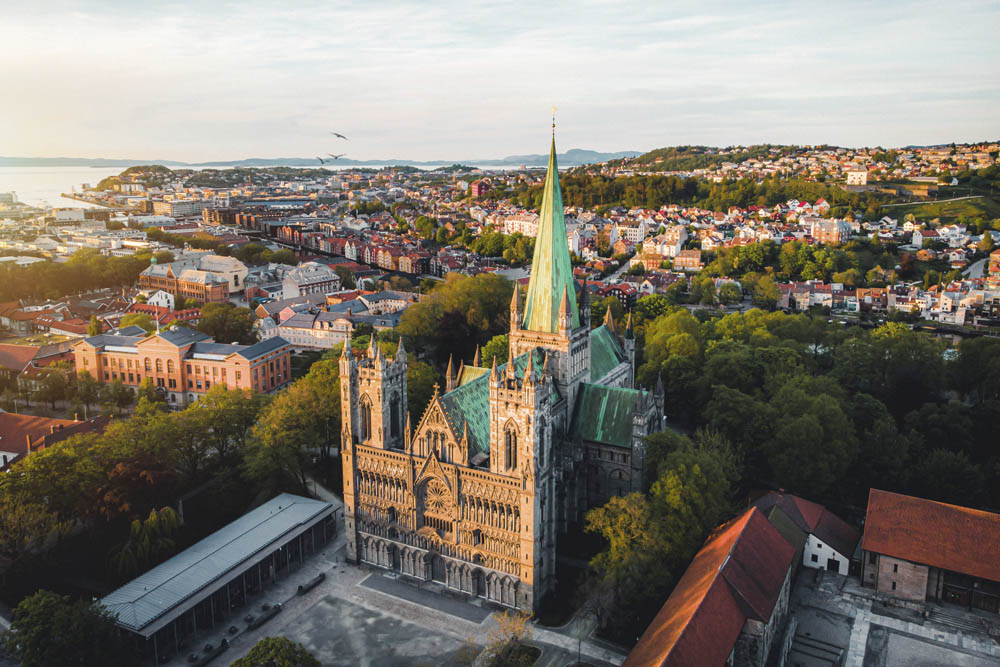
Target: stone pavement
{"x": 889, "y": 636}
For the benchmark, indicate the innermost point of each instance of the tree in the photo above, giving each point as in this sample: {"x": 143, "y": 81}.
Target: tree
{"x": 87, "y": 389}
{"x": 346, "y": 276}
{"x": 94, "y": 328}
{"x": 142, "y": 320}
{"x": 277, "y": 652}
{"x": 766, "y": 293}
{"x": 651, "y": 538}
{"x": 498, "y": 348}
{"x": 116, "y": 396}
{"x": 730, "y": 293}
{"x": 54, "y": 383}
{"x": 986, "y": 243}
{"x": 25, "y": 528}
{"x": 149, "y": 542}
{"x": 420, "y": 380}
{"x": 814, "y": 441}
{"x": 505, "y": 641}
{"x": 227, "y": 323}
{"x": 50, "y": 629}
{"x": 148, "y": 391}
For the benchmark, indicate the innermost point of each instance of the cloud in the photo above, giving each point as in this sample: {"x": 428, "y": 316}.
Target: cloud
{"x": 453, "y": 80}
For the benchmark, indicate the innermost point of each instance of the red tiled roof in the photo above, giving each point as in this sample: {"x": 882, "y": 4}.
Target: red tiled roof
{"x": 813, "y": 518}
{"x": 923, "y": 531}
{"x": 16, "y": 357}
{"x": 17, "y": 429}
{"x": 738, "y": 574}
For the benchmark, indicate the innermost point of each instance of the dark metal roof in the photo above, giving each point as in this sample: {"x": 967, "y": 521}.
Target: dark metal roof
{"x": 139, "y": 603}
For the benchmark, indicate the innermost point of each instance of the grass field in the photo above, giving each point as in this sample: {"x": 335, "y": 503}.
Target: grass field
{"x": 37, "y": 339}
{"x": 949, "y": 211}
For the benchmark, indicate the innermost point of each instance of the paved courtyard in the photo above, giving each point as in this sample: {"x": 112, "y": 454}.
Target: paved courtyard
{"x": 838, "y": 622}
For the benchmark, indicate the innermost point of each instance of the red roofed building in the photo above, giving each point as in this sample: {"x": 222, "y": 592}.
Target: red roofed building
{"x": 22, "y": 434}
{"x": 826, "y": 541}
{"x": 920, "y": 549}
{"x": 731, "y": 603}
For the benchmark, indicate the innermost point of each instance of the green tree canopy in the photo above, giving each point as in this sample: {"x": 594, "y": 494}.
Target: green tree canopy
{"x": 227, "y": 323}
{"x": 50, "y": 629}
{"x": 277, "y": 652}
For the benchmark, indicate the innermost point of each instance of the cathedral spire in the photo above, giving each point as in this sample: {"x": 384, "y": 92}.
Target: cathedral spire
{"x": 449, "y": 377}
{"x": 629, "y": 333}
{"x": 609, "y": 320}
{"x": 475, "y": 360}
{"x": 493, "y": 371}
{"x": 551, "y": 270}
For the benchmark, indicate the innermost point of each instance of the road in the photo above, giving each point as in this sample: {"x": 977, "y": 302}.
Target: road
{"x": 933, "y": 201}
{"x": 975, "y": 270}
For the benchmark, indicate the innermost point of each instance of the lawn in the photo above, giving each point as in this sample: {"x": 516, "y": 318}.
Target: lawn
{"x": 949, "y": 211}
{"x": 38, "y": 339}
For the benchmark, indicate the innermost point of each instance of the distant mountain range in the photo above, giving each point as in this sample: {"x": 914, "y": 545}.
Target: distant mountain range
{"x": 571, "y": 158}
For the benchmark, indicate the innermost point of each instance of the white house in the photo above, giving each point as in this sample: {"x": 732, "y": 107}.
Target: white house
{"x": 827, "y": 542}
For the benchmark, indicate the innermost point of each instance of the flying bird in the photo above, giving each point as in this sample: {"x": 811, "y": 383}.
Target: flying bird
{"x": 340, "y": 136}
{"x": 336, "y": 157}
{"x": 321, "y": 160}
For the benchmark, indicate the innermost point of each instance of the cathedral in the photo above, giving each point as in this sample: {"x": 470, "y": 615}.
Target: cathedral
{"x": 474, "y": 494}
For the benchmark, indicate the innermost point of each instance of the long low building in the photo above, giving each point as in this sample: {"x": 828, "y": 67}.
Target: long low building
{"x": 919, "y": 549}
{"x": 203, "y": 586}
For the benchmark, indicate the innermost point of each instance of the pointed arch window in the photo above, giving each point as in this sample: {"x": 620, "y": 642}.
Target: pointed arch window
{"x": 365, "y": 427}
{"x": 394, "y": 416}
{"x": 510, "y": 447}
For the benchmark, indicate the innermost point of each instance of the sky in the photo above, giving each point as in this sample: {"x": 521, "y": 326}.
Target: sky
{"x": 207, "y": 80}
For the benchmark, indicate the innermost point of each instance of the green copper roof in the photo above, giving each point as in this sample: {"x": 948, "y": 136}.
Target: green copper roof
{"x": 470, "y": 403}
{"x": 551, "y": 270}
{"x": 470, "y": 373}
{"x": 605, "y": 353}
{"x": 604, "y": 414}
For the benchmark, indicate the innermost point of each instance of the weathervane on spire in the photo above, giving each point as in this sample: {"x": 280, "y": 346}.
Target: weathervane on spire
{"x": 553, "y": 120}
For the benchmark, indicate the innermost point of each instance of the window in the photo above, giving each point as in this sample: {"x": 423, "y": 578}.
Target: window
{"x": 365, "y": 427}
{"x": 393, "y": 416}
{"x": 510, "y": 447}
{"x": 894, "y": 585}
{"x": 170, "y": 365}
{"x": 815, "y": 558}
{"x": 147, "y": 365}
{"x": 159, "y": 365}
{"x": 105, "y": 361}
{"x": 895, "y": 568}
{"x": 871, "y": 558}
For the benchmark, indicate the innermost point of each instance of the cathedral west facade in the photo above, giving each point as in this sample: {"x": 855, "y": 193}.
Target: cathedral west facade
{"x": 474, "y": 495}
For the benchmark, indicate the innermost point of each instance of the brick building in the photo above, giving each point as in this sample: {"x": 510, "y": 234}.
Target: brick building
{"x": 184, "y": 364}
{"x": 919, "y": 549}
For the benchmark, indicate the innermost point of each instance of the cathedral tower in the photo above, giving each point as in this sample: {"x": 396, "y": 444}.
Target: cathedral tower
{"x": 373, "y": 407}
{"x": 550, "y": 319}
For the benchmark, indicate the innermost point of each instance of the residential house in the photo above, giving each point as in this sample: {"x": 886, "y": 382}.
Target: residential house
{"x": 826, "y": 541}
